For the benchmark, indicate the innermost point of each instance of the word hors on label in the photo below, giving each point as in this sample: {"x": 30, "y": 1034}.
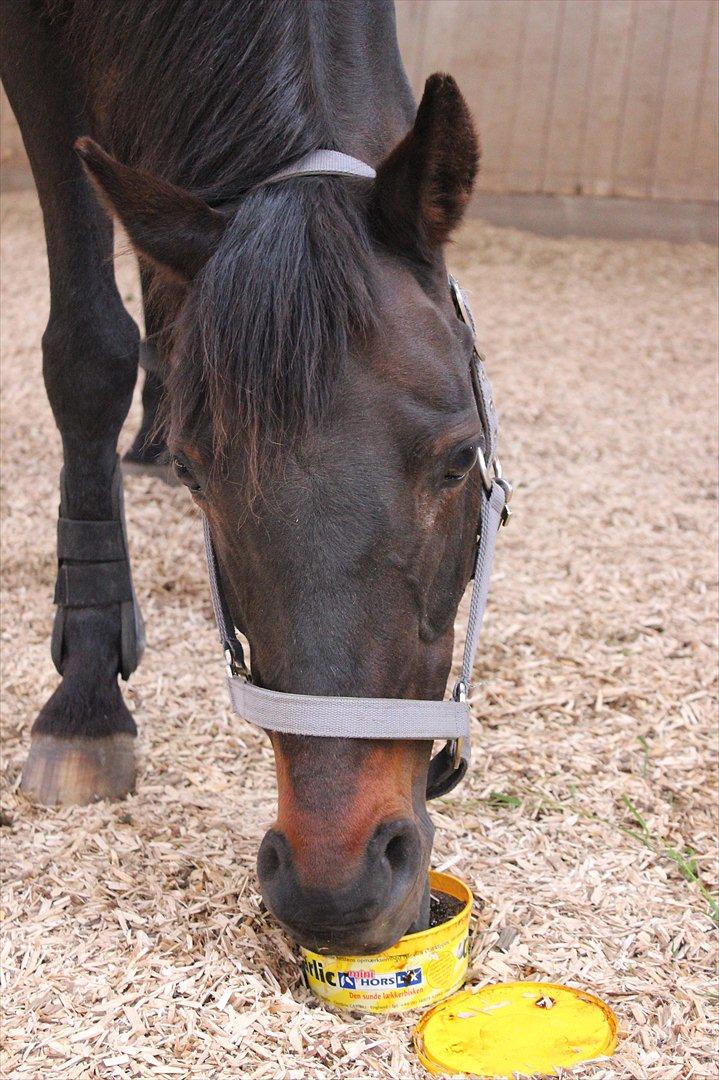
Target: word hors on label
{"x": 362, "y": 979}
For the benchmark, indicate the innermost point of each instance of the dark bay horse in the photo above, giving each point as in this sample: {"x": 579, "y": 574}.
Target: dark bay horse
{"x": 315, "y": 379}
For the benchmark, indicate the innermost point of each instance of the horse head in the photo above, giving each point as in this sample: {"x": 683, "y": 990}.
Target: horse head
{"x": 321, "y": 411}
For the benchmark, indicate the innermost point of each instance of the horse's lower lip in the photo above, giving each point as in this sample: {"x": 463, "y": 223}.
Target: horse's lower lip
{"x": 344, "y": 929}
{"x": 305, "y": 934}
{"x": 355, "y": 939}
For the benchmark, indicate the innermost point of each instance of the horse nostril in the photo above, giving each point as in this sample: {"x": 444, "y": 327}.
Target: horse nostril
{"x": 397, "y": 842}
{"x": 396, "y": 852}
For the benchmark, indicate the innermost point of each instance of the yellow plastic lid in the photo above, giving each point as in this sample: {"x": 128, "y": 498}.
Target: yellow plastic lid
{"x": 519, "y": 1027}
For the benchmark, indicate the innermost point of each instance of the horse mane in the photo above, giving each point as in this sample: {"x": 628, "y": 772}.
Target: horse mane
{"x": 216, "y": 97}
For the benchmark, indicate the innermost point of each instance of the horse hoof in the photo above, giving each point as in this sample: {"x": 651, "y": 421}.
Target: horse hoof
{"x": 155, "y": 470}
{"x": 77, "y": 771}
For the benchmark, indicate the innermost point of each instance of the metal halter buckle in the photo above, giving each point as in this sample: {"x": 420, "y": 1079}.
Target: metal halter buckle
{"x": 459, "y": 693}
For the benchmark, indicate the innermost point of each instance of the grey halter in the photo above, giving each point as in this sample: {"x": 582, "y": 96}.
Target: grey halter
{"x": 383, "y": 718}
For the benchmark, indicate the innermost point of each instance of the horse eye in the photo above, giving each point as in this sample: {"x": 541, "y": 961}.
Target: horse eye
{"x": 460, "y": 463}
{"x": 184, "y": 475}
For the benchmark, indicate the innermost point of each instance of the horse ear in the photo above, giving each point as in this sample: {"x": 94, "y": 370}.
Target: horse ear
{"x": 423, "y": 187}
{"x": 172, "y": 228}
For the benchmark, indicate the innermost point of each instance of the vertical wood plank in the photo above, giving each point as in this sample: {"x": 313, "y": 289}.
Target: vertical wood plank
{"x": 645, "y": 89}
{"x": 704, "y": 177}
{"x": 460, "y": 40}
{"x": 672, "y": 165}
{"x": 605, "y": 97}
{"x": 442, "y": 31}
{"x": 533, "y": 87}
{"x": 491, "y": 75}
{"x": 568, "y": 113}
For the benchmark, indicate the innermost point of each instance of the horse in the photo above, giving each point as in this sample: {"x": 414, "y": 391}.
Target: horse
{"x": 307, "y": 376}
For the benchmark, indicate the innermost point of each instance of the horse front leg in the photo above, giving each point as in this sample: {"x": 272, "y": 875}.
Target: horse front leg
{"x": 82, "y": 741}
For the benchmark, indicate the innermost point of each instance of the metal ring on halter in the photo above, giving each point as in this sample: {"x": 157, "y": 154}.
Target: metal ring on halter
{"x": 460, "y": 304}
{"x": 459, "y": 693}
{"x": 454, "y": 746}
{"x": 235, "y": 668}
{"x": 460, "y": 690}
{"x": 488, "y": 480}
{"x": 484, "y": 471}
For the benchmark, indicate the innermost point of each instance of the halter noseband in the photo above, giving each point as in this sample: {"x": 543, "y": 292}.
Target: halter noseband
{"x": 383, "y": 718}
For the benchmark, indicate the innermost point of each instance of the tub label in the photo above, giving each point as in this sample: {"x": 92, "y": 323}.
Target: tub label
{"x": 315, "y": 970}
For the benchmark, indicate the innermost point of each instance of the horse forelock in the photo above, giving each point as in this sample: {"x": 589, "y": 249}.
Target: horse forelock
{"x": 269, "y": 324}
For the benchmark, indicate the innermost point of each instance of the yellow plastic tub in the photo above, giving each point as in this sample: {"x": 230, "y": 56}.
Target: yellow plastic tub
{"x": 420, "y": 970}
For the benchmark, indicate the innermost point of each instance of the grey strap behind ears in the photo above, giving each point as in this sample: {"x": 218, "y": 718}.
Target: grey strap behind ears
{"x": 381, "y": 718}
{"x": 323, "y": 163}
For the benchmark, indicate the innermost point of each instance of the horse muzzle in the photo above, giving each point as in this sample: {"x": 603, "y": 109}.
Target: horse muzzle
{"x": 367, "y": 912}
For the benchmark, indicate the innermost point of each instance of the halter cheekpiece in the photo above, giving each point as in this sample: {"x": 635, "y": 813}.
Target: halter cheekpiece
{"x": 383, "y": 718}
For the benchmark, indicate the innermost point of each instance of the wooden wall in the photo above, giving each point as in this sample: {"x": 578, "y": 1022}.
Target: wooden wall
{"x": 579, "y": 97}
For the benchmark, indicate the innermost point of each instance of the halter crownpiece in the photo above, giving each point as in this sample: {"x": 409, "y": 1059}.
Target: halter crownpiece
{"x": 383, "y": 718}
{"x": 323, "y": 163}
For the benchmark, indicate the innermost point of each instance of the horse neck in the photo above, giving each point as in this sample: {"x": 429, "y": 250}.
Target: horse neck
{"x": 216, "y": 97}
{"x": 361, "y": 83}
